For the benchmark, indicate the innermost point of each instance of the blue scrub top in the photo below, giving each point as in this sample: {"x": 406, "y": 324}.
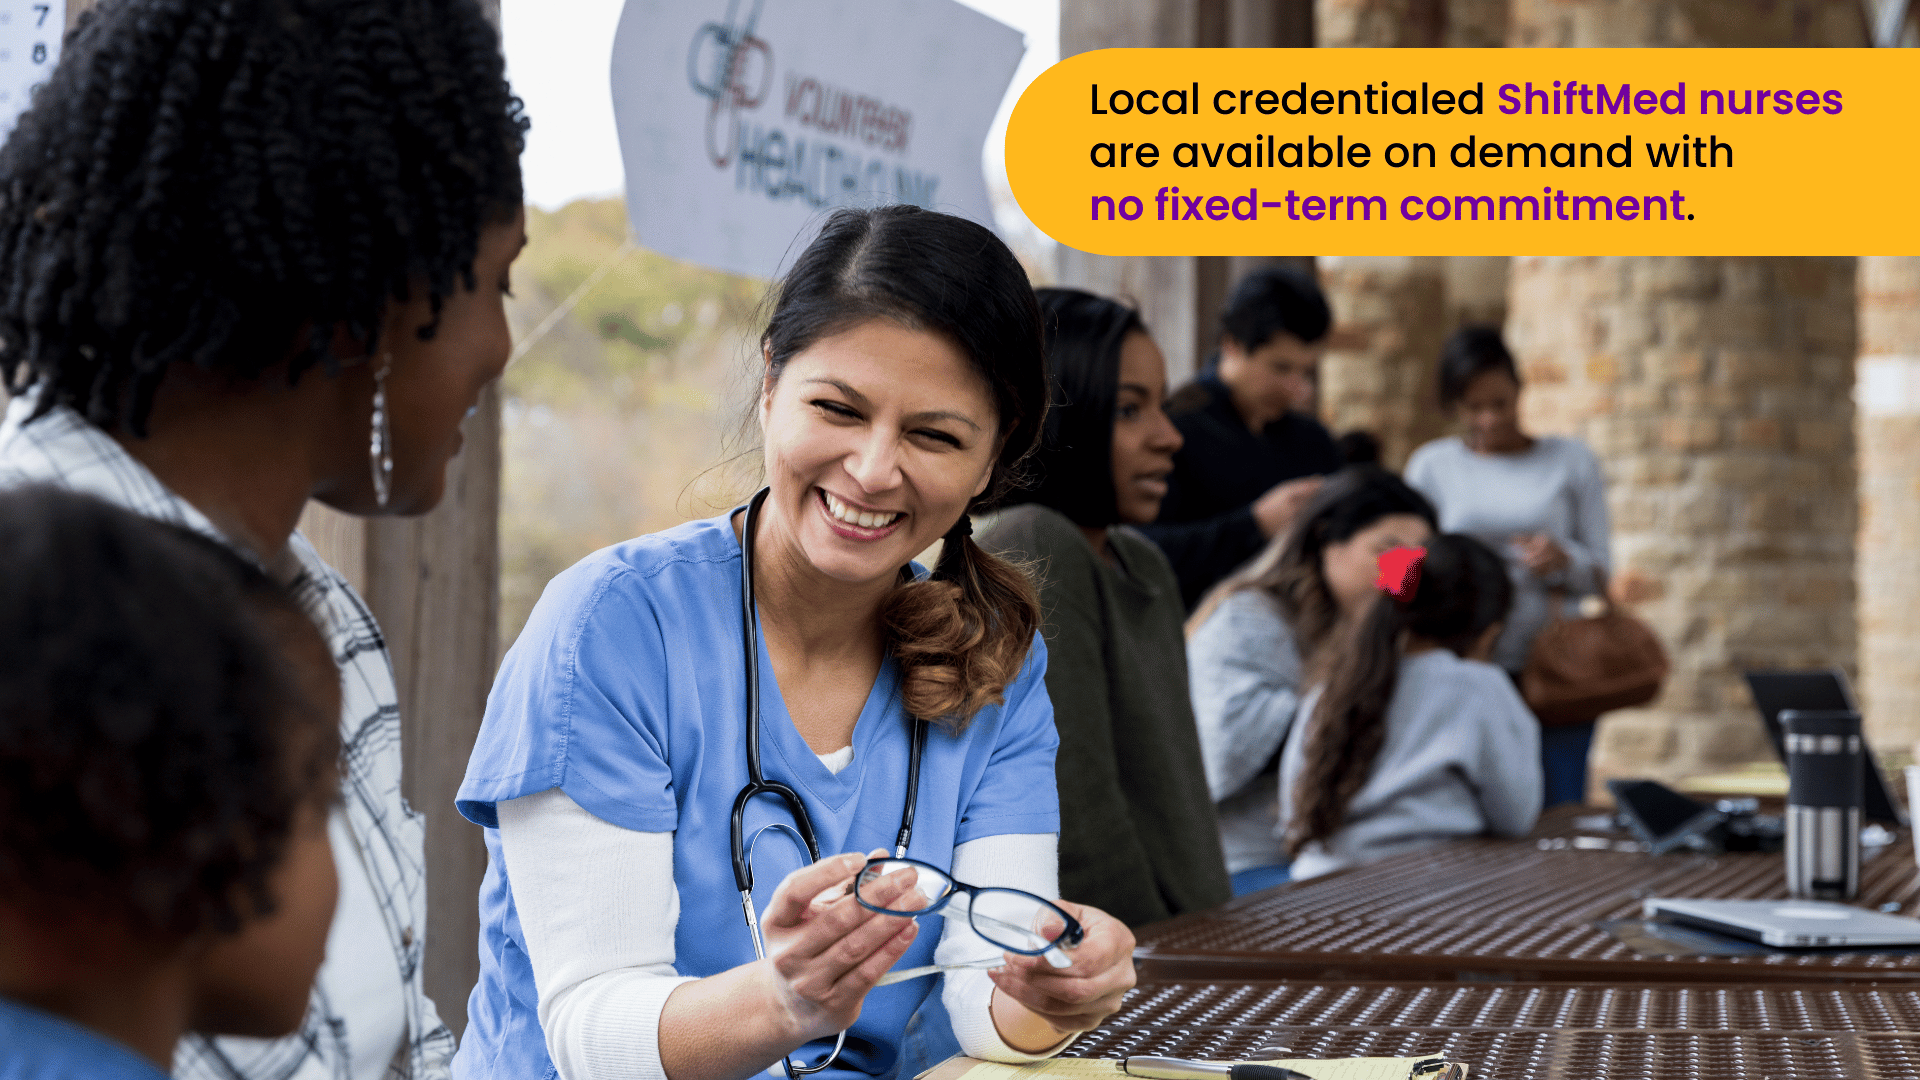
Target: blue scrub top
{"x": 40, "y": 1046}
{"x": 627, "y": 691}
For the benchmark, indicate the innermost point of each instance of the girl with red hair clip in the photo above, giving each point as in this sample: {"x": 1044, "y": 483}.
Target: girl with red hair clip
{"x": 1412, "y": 738}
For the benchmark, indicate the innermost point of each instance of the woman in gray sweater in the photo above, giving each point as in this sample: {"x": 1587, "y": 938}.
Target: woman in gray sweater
{"x": 1249, "y": 642}
{"x": 1540, "y": 501}
{"x": 1137, "y": 831}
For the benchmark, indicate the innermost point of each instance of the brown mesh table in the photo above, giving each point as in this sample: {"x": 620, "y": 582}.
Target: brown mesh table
{"x": 1506, "y": 910}
{"x": 1537, "y": 1031}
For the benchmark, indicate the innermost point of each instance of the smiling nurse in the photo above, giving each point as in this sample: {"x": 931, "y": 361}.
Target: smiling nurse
{"x": 903, "y": 385}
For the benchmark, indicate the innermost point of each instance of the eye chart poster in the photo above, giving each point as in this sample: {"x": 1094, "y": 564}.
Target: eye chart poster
{"x": 29, "y": 47}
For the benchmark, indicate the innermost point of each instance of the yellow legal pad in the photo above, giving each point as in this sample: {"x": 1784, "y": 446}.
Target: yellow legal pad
{"x": 1110, "y": 1069}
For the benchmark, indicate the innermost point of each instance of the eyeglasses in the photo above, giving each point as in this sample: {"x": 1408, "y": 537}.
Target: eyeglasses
{"x": 1011, "y": 919}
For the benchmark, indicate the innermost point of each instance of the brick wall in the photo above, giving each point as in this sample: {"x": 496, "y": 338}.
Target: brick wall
{"x": 1390, "y": 316}
{"x": 1718, "y": 395}
{"x": 1686, "y": 23}
{"x": 1888, "y": 433}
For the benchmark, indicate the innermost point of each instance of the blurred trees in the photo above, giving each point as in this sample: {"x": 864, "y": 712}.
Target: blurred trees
{"x": 620, "y": 419}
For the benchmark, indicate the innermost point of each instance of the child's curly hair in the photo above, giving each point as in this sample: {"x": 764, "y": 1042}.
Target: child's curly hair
{"x": 164, "y": 718}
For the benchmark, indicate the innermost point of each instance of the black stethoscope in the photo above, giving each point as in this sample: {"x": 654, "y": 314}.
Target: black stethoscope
{"x": 758, "y": 784}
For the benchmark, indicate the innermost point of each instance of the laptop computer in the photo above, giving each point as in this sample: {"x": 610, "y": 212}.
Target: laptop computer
{"x": 1822, "y": 689}
{"x": 1661, "y": 818}
{"x": 1789, "y": 924}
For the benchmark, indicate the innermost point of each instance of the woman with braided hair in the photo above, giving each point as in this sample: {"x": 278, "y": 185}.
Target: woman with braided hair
{"x": 1412, "y": 738}
{"x": 252, "y": 253}
{"x": 691, "y": 715}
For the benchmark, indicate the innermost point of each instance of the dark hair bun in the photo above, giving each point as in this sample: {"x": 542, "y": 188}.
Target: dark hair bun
{"x": 1472, "y": 351}
{"x": 1278, "y": 300}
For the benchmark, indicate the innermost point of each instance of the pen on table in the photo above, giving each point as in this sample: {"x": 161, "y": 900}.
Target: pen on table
{"x": 1168, "y": 1068}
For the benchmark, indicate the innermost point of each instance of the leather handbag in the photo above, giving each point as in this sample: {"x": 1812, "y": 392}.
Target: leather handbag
{"x": 1602, "y": 660}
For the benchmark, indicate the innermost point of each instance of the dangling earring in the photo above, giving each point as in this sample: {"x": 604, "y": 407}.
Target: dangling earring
{"x": 380, "y": 444}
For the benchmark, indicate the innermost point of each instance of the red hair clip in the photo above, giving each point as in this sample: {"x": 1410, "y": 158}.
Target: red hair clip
{"x": 1400, "y": 572}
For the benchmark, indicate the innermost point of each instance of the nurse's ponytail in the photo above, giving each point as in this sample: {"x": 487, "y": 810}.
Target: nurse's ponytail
{"x": 961, "y": 636}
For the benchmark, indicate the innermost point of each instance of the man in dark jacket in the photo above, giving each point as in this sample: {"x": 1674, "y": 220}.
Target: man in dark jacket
{"x": 1253, "y": 453}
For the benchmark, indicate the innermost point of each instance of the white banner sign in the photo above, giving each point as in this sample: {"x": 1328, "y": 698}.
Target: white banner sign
{"x": 743, "y": 121}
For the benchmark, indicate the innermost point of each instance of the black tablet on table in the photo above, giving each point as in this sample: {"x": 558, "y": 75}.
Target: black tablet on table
{"x": 1823, "y": 689}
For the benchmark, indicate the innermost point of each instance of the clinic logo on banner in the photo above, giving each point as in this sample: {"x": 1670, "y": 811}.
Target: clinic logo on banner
{"x": 732, "y": 69}
{"x": 774, "y": 111}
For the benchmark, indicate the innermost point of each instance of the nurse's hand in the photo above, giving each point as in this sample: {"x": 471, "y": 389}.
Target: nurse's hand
{"x": 1038, "y": 1004}
{"x": 825, "y": 951}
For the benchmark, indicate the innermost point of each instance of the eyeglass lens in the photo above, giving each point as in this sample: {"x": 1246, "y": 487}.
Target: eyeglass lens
{"x": 1017, "y": 921}
{"x": 900, "y": 887}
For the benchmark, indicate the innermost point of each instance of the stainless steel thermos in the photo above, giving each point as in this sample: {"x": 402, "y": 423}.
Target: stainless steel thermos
{"x": 1825, "y": 787}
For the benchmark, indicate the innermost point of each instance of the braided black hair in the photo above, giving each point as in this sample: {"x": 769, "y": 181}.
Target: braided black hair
{"x": 227, "y": 182}
{"x": 159, "y": 729}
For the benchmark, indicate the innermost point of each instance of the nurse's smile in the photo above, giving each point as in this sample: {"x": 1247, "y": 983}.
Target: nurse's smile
{"x": 877, "y": 438}
{"x": 855, "y": 521}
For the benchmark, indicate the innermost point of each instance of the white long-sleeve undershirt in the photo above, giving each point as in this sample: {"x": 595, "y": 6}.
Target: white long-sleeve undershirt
{"x": 598, "y": 909}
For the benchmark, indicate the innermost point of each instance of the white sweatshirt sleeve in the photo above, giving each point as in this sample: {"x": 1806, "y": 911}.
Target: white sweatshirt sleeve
{"x": 1026, "y": 861}
{"x": 1245, "y": 687}
{"x": 1588, "y": 553}
{"x": 598, "y": 909}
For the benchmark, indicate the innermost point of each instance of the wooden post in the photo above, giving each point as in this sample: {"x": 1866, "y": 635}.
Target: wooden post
{"x": 1180, "y": 297}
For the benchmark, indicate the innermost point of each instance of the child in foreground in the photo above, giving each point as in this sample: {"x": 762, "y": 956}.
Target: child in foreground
{"x": 168, "y": 753}
{"x": 1412, "y": 738}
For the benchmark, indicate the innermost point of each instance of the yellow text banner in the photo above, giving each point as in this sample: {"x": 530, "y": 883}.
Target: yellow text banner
{"x": 1473, "y": 151}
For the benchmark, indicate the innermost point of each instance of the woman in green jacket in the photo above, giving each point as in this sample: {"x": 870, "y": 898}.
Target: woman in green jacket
{"x": 1137, "y": 831}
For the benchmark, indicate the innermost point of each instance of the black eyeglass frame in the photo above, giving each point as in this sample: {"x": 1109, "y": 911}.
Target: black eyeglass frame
{"x": 1072, "y": 934}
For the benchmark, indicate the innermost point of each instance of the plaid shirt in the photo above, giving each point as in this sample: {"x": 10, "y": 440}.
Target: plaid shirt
{"x": 63, "y": 449}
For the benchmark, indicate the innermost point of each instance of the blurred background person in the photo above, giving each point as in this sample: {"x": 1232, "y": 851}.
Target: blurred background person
{"x": 1252, "y": 645}
{"x": 1137, "y": 831}
{"x": 1252, "y": 450}
{"x": 1359, "y": 448}
{"x": 168, "y": 757}
{"x": 273, "y": 272}
{"x": 1538, "y": 500}
{"x": 1412, "y": 739}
